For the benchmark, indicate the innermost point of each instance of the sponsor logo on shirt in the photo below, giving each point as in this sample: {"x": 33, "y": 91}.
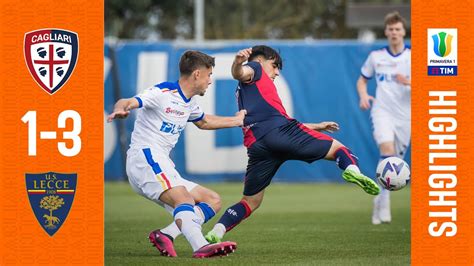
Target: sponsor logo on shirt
{"x": 171, "y": 128}
{"x": 386, "y": 64}
{"x": 170, "y": 110}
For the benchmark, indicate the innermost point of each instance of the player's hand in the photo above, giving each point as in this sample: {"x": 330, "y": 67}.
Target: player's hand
{"x": 242, "y": 56}
{"x": 365, "y": 100}
{"x": 240, "y": 115}
{"x": 403, "y": 80}
{"x": 118, "y": 114}
{"x": 327, "y": 126}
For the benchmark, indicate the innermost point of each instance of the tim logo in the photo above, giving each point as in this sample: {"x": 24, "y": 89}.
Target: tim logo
{"x": 442, "y": 52}
{"x": 51, "y": 55}
{"x": 51, "y": 196}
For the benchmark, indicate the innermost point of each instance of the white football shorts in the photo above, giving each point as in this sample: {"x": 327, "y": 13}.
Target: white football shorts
{"x": 388, "y": 128}
{"x": 151, "y": 173}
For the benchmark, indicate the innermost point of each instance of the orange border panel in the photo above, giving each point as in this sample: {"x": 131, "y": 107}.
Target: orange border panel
{"x": 80, "y": 238}
{"x": 453, "y": 244}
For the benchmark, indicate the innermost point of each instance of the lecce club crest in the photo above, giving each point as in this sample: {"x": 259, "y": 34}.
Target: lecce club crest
{"x": 51, "y": 55}
{"x": 51, "y": 196}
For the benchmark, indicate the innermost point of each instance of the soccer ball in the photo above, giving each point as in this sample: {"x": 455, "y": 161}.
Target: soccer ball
{"x": 393, "y": 173}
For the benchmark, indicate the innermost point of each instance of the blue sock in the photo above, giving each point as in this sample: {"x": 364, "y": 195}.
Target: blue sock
{"x": 235, "y": 214}
{"x": 345, "y": 157}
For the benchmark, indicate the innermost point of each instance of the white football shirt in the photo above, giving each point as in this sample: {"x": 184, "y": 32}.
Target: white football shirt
{"x": 162, "y": 114}
{"x": 390, "y": 94}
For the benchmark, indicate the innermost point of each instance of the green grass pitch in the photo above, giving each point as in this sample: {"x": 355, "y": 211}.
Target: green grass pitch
{"x": 299, "y": 224}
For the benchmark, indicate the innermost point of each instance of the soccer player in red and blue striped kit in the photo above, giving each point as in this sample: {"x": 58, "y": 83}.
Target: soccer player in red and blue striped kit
{"x": 272, "y": 137}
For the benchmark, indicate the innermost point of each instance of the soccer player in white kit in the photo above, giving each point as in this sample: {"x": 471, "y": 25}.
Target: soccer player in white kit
{"x": 391, "y": 109}
{"x": 163, "y": 112}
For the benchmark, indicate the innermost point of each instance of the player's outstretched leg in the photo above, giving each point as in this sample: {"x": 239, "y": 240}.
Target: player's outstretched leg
{"x": 348, "y": 162}
{"x": 162, "y": 242}
{"x": 231, "y": 217}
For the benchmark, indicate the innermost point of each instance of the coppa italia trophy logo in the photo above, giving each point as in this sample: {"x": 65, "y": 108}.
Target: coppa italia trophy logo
{"x": 51, "y": 196}
{"x": 51, "y": 56}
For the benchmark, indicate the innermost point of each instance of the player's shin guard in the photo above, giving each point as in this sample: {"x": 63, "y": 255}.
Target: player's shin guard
{"x": 190, "y": 226}
{"x": 345, "y": 157}
{"x": 234, "y": 215}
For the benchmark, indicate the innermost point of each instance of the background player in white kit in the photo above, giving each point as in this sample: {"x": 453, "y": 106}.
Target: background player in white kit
{"x": 391, "y": 110}
{"x": 163, "y": 112}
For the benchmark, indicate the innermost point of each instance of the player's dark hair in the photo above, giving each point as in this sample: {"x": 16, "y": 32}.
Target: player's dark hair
{"x": 395, "y": 17}
{"x": 268, "y": 53}
{"x": 192, "y": 60}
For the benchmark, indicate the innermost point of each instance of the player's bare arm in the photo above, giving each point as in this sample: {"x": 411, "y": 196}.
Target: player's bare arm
{"x": 122, "y": 108}
{"x": 216, "y": 122}
{"x": 239, "y": 71}
{"x": 323, "y": 126}
{"x": 364, "y": 96}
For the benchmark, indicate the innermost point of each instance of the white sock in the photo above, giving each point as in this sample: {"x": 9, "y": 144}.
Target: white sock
{"x": 173, "y": 230}
{"x": 384, "y": 200}
{"x": 191, "y": 229}
{"x": 385, "y": 193}
{"x": 354, "y": 168}
{"x": 219, "y": 230}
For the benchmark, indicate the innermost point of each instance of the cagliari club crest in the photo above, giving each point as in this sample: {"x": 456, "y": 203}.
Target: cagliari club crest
{"x": 51, "y": 56}
{"x": 51, "y": 196}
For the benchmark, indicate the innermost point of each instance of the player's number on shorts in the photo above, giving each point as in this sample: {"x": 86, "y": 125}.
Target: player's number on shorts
{"x": 30, "y": 119}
